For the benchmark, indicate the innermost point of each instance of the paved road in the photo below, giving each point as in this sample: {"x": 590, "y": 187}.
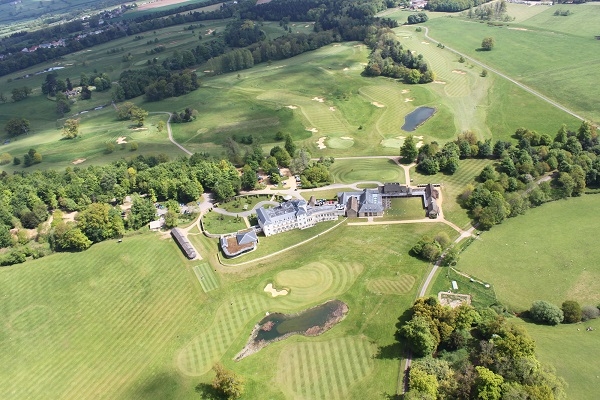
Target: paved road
{"x": 189, "y": 153}
{"x": 519, "y": 84}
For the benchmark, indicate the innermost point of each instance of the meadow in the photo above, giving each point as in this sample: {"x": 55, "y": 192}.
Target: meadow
{"x": 132, "y": 319}
{"x": 554, "y": 55}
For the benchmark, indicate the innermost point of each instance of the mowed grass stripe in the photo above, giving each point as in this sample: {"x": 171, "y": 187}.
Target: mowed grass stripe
{"x": 229, "y": 320}
{"x": 123, "y": 371}
{"x": 206, "y": 277}
{"x": 329, "y": 368}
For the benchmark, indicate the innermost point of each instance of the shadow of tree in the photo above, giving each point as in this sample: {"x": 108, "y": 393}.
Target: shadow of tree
{"x": 208, "y": 392}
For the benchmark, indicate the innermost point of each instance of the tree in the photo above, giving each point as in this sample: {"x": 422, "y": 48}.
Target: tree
{"x": 142, "y": 212}
{"x": 71, "y": 128}
{"x": 16, "y": 126}
{"x": 63, "y": 105}
{"x": 487, "y": 43}
{"x": 489, "y": 384}
{"x": 417, "y": 333}
{"x": 409, "y": 151}
{"x": 19, "y": 94}
{"x": 289, "y": 146}
{"x": 100, "y": 222}
{"x": 138, "y": 115}
{"x": 248, "y": 178}
{"x": 160, "y": 126}
{"x": 67, "y": 237}
{"x": 423, "y": 382}
{"x": 171, "y": 219}
{"x": 572, "y": 312}
{"x": 544, "y": 312}
{"x": 227, "y": 382}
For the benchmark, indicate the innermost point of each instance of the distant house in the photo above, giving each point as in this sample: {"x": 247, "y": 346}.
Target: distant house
{"x": 183, "y": 243}
{"x": 430, "y": 201}
{"x": 240, "y": 243}
{"x": 293, "y": 214}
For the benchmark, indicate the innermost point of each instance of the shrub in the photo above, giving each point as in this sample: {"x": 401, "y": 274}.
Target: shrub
{"x": 544, "y": 312}
{"x": 589, "y": 312}
{"x": 572, "y": 312}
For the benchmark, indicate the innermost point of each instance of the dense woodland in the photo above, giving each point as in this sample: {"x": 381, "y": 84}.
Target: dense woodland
{"x": 452, "y": 5}
{"x": 464, "y": 353}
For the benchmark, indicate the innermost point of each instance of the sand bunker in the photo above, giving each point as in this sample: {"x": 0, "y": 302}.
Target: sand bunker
{"x": 346, "y": 69}
{"x": 321, "y": 143}
{"x": 440, "y": 82}
{"x": 346, "y": 138}
{"x": 425, "y": 42}
{"x": 519, "y": 29}
{"x": 78, "y": 161}
{"x": 319, "y": 99}
{"x": 210, "y": 31}
{"x": 404, "y": 91}
{"x": 458, "y": 71}
{"x": 292, "y": 107}
{"x": 376, "y": 104}
{"x": 274, "y": 292}
{"x": 313, "y": 130}
{"x": 208, "y": 71}
{"x": 121, "y": 140}
{"x": 331, "y": 108}
{"x": 336, "y": 45}
{"x": 408, "y": 99}
{"x": 306, "y": 26}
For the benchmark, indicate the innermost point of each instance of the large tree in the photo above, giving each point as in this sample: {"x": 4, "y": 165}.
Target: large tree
{"x": 100, "y": 222}
{"x": 227, "y": 382}
{"x": 71, "y": 128}
{"x": 417, "y": 333}
{"x": 409, "y": 151}
{"x": 16, "y": 126}
{"x": 572, "y": 311}
{"x": 488, "y": 43}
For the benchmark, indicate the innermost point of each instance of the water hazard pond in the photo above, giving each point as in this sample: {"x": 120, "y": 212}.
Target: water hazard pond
{"x": 413, "y": 120}
{"x": 278, "y": 326}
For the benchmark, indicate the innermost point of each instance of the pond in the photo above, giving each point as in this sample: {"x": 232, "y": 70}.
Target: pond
{"x": 413, "y": 120}
{"x": 278, "y": 326}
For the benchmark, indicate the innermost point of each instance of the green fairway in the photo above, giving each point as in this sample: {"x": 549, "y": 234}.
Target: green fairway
{"x": 400, "y": 285}
{"x": 324, "y": 370}
{"x": 207, "y": 278}
{"x": 96, "y": 323}
{"x": 375, "y": 169}
{"x": 547, "y": 254}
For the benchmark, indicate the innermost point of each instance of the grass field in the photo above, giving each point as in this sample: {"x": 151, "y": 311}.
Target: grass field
{"x": 165, "y": 329}
{"x": 407, "y": 208}
{"x": 400, "y": 285}
{"x": 547, "y": 254}
{"x": 220, "y": 224}
{"x": 541, "y": 53}
{"x": 453, "y": 186}
{"x": 207, "y": 278}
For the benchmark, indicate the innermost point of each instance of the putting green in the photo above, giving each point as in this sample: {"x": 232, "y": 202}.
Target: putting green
{"x": 324, "y": 370}
{"x": 200, "y": 354}
{"x": 401, "y": 285}
{"x": 394, "y": 143}
{"x": 316, "y": 281}
{"x": 339, "y": 143}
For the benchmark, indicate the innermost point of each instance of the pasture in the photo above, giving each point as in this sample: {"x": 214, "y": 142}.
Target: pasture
{"x": 547, "y": 254}
{"x": 539, "y": 57}
{"x": 166, "y": 331}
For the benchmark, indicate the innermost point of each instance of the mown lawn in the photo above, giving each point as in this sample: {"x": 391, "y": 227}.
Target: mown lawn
{"x": 547, "y": 254}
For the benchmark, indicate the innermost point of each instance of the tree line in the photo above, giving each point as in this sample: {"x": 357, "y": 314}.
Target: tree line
{"x": 389, "y": 58}
{"x": 155, "y": 82}
{"x": 27, "y": 199}
{"x": 452, "y": 5}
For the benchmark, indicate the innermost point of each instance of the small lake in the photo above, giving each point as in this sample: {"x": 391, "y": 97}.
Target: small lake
{"x": 278, "y": 326}
{"x": 413, "y": 120}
